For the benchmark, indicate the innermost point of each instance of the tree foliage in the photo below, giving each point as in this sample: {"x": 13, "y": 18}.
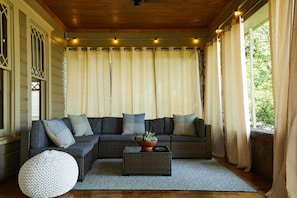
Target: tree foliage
{"x": 262, "y": 71}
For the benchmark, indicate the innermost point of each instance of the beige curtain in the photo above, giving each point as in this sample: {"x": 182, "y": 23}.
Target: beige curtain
{"x": 229, "y": 113}
{"x": 133, "y": 80}
{"x": 283, "y": 21}
{"x": 88, "y": 80}
{"x": 121, "y": 82}
{"x": 236, "y": 117}
{"x": 291, "y": 162}
{"x": 143, "y": 78}
{"x": 177, "y": 82}
{"x": 213, "y": 100}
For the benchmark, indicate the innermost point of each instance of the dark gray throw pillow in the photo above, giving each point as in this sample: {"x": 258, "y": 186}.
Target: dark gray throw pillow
{"x": 133, "y": 123}
{"x": 200, "y": 127}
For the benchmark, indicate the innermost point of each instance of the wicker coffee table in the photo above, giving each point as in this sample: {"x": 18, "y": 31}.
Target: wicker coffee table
{"x": 136, "y": 162}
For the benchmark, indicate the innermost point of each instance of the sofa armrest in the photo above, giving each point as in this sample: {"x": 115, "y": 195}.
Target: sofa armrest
{"x": 25, "y": 146}
{"x": 200, "y": 127}
{"x": 208, "y": 140}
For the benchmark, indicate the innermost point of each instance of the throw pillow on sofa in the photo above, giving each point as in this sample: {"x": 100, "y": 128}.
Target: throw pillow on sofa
{"x": 133, "y": 123}
{"x": 59, "y": 133}
{"x": 184, "y": 125}
{"x": 80, "y": 125}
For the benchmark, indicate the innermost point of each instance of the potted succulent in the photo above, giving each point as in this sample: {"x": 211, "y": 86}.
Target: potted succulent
{"x": 146, "y": 140}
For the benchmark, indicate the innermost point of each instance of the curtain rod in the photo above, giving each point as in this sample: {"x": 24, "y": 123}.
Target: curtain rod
{"x": 245, "y": 13}
{"x": 129, "y": 48}
{"x": 253, "y": 6}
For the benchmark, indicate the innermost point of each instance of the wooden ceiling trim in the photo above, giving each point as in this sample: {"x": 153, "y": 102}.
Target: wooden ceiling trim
{"x": 251, "y": 7}
{"x": 223, "y": 14}
{"x": 93, "y": 15}
{"x": 52, "y": 14}
{"x": 133, "y": 30}
{"x": 154, "y": 17}
{"x": 226, "y": 17}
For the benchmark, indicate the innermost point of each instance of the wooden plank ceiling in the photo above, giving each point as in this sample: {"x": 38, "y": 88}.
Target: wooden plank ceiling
{"x": 124, "y": 16}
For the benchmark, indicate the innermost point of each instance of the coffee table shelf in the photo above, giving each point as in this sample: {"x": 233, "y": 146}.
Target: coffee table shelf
{"x": 157, "y": 162}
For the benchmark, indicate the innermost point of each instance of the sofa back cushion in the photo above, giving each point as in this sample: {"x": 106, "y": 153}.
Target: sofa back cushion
{"x": 68, "y": 124}
{"x": 200, "y": 127}
{"x": 96, "y": 124}
{"x": 38, "y": 136}
{"x": 168, "y": 125}
{"x": 155, "y": 125}
{"x": 112, "y": 125}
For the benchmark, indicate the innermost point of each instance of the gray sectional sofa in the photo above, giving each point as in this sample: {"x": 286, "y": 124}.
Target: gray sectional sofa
{"x": 108, "y": 141}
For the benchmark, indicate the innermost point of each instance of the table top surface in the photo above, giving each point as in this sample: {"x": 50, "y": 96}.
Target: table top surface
{"x": 137, "y": 149}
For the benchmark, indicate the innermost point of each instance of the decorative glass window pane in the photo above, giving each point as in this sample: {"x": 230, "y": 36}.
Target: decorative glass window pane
{"x": 37, "y": 51}
{"x": 1, "y": 99}
{"x": 36, "y": 99}
{"x": 35, "y": 85}
{"x": 3, "y": 36}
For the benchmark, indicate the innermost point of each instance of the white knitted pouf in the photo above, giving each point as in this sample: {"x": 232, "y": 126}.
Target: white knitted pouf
{"x": 48, "y": 174}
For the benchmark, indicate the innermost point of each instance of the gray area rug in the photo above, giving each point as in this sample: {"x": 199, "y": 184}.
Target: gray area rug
{"x": 187, "y": 174}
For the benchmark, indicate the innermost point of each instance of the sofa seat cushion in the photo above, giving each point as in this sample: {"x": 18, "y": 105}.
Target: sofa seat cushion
{"x": 79, "y": 149}
{"x": 163, "y": 137}
{"x": 181, "y": 138}
{"x": 88, "y": 138}
{"x": 116, "y": 138}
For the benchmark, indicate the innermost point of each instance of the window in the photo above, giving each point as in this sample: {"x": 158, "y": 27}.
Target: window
{"x": 38, "y": 73}
{"x": 1, "y": 99}
{"x": 259, "y": 71}
{"x": 36, "y": 99}
{"x": 5, "y": 67}
{"x": 3, "y": 36}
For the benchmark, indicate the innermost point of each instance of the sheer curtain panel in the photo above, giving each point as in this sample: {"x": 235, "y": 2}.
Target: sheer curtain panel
{"x": 213, "y": 99}
{"x": 228, "y": 77}
{"x": 283, "y": 21}
{"x": 143, "y": 77}
{"x": 111, "y": 81}
{"x": 177, "y": 82}
{"x": 133, "y": 82}
{"x": 121, "y": 82}
{"x": 291, "y": 162}
{"x": 236, "y": 111}
{"x": 88, "y": 88}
